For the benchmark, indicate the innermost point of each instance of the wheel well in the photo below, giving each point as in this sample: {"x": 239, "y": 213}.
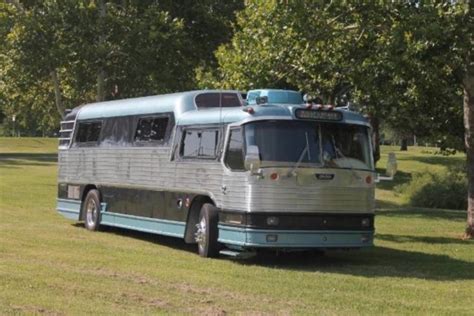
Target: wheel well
{"x": 86, "y": 190}
{"x": 193, "y": 216}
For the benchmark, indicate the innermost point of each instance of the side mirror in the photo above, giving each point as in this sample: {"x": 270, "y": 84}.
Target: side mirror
{"x": 391, "y": 165}
{"x": 261, "y": 100}
{"x": 252, "y": 158}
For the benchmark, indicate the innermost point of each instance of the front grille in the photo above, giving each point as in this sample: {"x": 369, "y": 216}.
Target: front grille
{"x": 300, "y": 221}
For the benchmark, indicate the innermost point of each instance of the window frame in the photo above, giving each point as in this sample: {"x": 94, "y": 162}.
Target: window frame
{"x": 154, "y": 143}
{"x": 227, "y": 144}
{"x": 95, "y": 143}
{"x": 180, "y": 143}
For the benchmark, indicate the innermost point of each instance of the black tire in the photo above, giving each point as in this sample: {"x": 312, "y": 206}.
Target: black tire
{"x": 207, "y": 232}
{"x": 91, "y": 210}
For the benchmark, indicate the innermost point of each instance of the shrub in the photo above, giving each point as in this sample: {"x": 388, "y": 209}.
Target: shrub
{"x": 446, "y": 189}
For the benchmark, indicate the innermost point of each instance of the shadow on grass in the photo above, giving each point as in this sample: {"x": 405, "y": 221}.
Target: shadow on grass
{"x": 383, "y": 204}
{"x": 435, "y": 160}
{"x": 166, "y": 241}
{"x": 27, "y": 159}
{"x": 376, "y": 262}
{"x": 451, "y": 215}
{"x": 421, "y": 239}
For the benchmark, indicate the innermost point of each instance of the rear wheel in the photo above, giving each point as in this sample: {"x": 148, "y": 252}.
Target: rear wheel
{"x": 207, "y": 232}
{"x": 91, "y": 210}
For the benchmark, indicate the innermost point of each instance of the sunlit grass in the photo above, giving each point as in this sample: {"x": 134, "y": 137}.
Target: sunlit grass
{"x": 51, "y": 265}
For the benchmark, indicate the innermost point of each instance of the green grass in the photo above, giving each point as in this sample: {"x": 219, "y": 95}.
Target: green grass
{"x": 50, "y": 265}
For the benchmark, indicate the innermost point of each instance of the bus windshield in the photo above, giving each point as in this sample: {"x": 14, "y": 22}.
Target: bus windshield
{"x": 284, "y": 143}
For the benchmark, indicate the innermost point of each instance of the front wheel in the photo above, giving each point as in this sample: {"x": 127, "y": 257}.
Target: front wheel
{"x": 91, "y": 210}
{"x": 207, "y": 232}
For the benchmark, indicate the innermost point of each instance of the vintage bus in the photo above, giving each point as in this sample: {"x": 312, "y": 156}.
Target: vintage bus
{"x": 230, "y": 177}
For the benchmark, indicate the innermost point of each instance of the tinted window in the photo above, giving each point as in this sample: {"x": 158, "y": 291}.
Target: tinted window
{"x": 88, "y": 132}
{"x": 207, "y": 100}
{"x": 199, "y": 144}
{"x": 230, "y": 100}
{"x": 151, "y": 129}
{"x": 234, "y": 158}
{"x": 211, "y": 100}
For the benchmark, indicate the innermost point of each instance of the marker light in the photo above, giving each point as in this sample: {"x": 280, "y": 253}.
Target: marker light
{"x": 368, "y": 179}
{"x": 274, "y": 176}
{"x": 187, "y": 202}
{"x": 365, "y": 222}
{"x": 249, "y": 110}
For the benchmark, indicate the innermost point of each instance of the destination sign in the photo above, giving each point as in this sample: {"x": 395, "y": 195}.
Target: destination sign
{"x": 318, "y": 115}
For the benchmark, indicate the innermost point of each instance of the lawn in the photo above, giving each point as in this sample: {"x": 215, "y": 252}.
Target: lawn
{"x": 50, "y": 265}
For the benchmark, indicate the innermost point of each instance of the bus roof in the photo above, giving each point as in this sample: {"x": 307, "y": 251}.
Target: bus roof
{"x": 186, "y": 112}
{"x": 174, "y": 102}
{"x": 266, "y": 111}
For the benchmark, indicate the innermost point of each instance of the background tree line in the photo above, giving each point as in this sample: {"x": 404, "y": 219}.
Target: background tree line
{"x": 407, "y": 64}
{"x": 60, "y": 54}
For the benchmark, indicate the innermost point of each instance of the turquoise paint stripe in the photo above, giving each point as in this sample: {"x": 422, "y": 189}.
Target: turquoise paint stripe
{"x": 294, "y": 238}
{"x": 144, "y": 224}
{"x": 69, "y": 208}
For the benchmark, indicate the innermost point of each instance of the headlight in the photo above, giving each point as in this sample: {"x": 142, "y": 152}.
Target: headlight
{"x": 273, "y": 221}
{"x": 365, "y": 222}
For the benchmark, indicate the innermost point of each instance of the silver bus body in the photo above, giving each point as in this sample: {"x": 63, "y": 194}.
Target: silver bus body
{"x": 154, "y": 187}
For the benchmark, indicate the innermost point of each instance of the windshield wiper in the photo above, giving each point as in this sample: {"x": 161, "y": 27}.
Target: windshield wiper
{"x": 300, "y": 159}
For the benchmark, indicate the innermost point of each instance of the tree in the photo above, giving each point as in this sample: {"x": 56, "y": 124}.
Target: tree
{"x": 75, "y": 52}
{"x": 404, "y": 62}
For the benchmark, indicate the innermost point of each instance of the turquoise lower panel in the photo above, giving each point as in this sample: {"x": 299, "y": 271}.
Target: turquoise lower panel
{"x": 144, "y": 224}
{"x": 69, "y": 208}
{"x": 247, "y": 237}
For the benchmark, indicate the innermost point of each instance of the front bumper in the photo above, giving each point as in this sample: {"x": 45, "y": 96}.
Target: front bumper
{"x": 243, "y": 237}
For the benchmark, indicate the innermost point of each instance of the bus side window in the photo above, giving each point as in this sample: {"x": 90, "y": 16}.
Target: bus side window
{"x": 88, "y": 133}
{"x": 117, "y": 131}
{"x": 199, "y": 144}
{"x": 234, "y": 158}
{"x": 151, "y": 129}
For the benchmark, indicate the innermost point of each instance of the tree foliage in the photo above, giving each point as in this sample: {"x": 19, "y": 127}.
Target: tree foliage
{"x": 73, "y": 52}
{"x": 387, "y": 58}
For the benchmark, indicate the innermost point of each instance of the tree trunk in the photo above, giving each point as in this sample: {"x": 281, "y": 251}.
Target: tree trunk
{"x": 100, "y": 86}
{"x": 101, "y": 72}
{"x": 404, "y": 146}
{"x": 468, "y": 104}
{"x": 57, "y": 93}
{"x": 374, "y": 121}
{"x": 468, "y": 84}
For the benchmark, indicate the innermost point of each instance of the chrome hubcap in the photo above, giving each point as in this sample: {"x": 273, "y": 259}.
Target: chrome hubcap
{"x": 200, "y": 235}
{"x": 91, "y": 213}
